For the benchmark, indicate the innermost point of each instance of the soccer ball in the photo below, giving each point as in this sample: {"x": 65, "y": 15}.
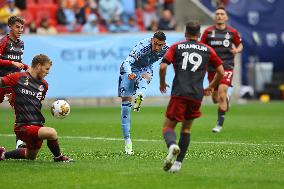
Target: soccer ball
{"x": 60, "y": 109}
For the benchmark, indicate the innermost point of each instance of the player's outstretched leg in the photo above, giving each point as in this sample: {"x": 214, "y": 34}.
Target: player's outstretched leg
{"x": 14, "y": 154}
{"x": 142, "y": 86}
{"x": 125, "y": 125}
{"x": 138, "y": 101}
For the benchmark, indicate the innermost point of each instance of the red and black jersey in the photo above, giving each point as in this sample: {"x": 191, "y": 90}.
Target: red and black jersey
{"x": 190, "y": 60}
{"x": 221, "y": 41}
{"x": 10, "y": 51}
{"x": 28, "y": 93}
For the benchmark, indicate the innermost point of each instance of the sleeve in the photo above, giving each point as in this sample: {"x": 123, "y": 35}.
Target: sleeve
{"x": 11, "y": 80}
{"x": 169, "y": 56}
{"x": 214, "y": 58}
{"x": 237, "y": 38}
{"x": 3, "y": 43}
{"x": 204, "y": 37}
{"x": 137, "y": 52}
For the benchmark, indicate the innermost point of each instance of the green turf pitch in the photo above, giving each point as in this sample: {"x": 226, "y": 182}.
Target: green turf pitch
{"x": 249, "y": 153}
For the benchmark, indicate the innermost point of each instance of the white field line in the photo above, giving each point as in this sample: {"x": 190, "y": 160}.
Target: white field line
{"x": 152, "y": 140}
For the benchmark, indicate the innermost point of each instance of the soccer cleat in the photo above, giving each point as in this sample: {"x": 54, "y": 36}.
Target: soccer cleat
{"x": 137, "y": 102}
{"x": 217, "y": 129}
{"x": 128, "y": 149}
{"x": 2, "y": 152}
{"x": 62, "y": 158}
{"x": 171, "y": 157}
{"x": 175, "y": 167}
{"x": 20, "y": 144}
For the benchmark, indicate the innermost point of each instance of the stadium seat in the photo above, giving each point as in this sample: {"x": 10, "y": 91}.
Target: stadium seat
{"x": 139, "y": 17}
{"x": 102, "y": 28}
{"x": 45, "y": 2}
{"x": 78, "y": 29}
{"x": 61, "y": 29}
{"x": 30, "y": 2}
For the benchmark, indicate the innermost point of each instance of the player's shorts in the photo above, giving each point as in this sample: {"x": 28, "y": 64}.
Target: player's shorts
{"x": 126, "y": 87}
{"x": 226, "y": 80}
{"x": 181, "y": 108}
{"x": 29, "y": 134}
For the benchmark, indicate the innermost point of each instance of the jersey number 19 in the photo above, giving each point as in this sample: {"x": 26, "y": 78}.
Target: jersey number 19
{"x": 193, "y": 58}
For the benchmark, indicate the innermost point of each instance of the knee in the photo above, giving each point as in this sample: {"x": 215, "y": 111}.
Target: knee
{"x": 52, "y": 134}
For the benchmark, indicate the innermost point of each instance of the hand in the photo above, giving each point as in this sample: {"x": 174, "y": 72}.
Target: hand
{"x": 163, "y": 87}
{"x": 131, "y": 76}
{"x": 208, "y": 91}
{"x": 234, "y": 51}
{"x": 26, "y": 67}
{"x": 18, "y": 65}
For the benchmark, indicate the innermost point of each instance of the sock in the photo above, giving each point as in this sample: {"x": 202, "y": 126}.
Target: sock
{"x": 19, "y": 153}
{"x": 125, "y": 118}
{"x": 183, "y": 144}
{"x": 169, "y": 136}
{"x": 221, "y": 117}
{"x": 142, "y": 86}
{"x": 54, "y": 147}
{"x": 128, "y": 141}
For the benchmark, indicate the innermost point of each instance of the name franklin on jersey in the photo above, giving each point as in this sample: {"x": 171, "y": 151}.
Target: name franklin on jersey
{"x": 192, "y": 46}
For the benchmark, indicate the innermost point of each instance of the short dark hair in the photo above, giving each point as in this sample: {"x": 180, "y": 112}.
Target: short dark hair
{"x": 41, "y": 59}
{"x": 160, "y": 35}
{"x": 192, "y": 27}
{"x": 13, "y": 19}
{"x": 221, "y": 7}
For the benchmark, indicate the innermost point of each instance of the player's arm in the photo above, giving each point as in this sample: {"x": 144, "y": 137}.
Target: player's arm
{"x": 162, "y": 73}
{"x": 13, "y": 63}
{"x": 167, "y": 59}
{"x": 136, "y": 53}
{"x": 238, "y": 43}
{"x": 9, "y": 80}
{"x": 238, "y": 49}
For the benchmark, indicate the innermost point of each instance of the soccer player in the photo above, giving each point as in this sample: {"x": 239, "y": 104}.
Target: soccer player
{"x": 11, "y": 52}
{"x": 29, "y": 89}
{"x": 226, "y": 41}
{"x": 190, "y": 60}
{"x": 135, "y": 75}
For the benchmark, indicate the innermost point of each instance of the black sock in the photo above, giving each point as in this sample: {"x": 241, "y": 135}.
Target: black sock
{"x": 54, "y": 147}
{"x": 221, "y": 117}
{"x": 183, "y": 144}
{"x": 19, "y": 153}
{"x": 169, "y": 136}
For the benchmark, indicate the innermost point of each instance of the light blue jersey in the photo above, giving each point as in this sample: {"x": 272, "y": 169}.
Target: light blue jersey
{"x": 139, "y": 60}
{"x": 141, "y": 57}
